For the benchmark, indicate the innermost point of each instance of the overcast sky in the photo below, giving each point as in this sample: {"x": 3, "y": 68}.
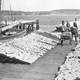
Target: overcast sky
{"x": 40, "y": 5}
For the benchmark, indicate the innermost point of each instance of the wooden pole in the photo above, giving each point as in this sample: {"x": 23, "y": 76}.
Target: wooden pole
{"x": 0, "y": 12}
{"x": 32, "y": 27}
{"x": 0, "y": 5}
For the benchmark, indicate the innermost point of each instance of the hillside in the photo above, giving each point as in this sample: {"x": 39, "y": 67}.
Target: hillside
{"x": 66, "y": 11}
{"x": 60, "y": 11}
{"x": 24, "y": 13}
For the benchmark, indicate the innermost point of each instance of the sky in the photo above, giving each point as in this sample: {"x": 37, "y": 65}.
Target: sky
{"x": 39, "y": 5}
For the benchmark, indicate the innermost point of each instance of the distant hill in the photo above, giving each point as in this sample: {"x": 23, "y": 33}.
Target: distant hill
{"x": 15, "y": 13}
{"x": 66, "y": 11}
{"x": 60, "y": 11}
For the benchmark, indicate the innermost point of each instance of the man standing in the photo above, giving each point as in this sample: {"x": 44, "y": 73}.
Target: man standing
{"x": 74, "y": 31}
{"x": 66, "y": 35}
{"x": 75, "y": 23}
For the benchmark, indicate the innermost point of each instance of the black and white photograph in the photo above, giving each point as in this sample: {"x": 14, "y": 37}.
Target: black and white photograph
{"x": 39, "y": 39}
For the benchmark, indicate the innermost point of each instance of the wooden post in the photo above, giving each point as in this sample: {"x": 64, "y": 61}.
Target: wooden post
{"x": 32, "y": 27}
{"x": 37, "y": 24}
{"x": 21, "y": 26}
{"x": 28, "y": 28}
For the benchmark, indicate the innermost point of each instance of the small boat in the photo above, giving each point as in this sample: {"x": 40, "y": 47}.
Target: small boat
{"x": 17, "y": 29}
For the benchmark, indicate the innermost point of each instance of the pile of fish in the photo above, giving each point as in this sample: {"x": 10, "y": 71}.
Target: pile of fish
{"x": 70, "y": 70}
{"x": 28, "y": 48}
